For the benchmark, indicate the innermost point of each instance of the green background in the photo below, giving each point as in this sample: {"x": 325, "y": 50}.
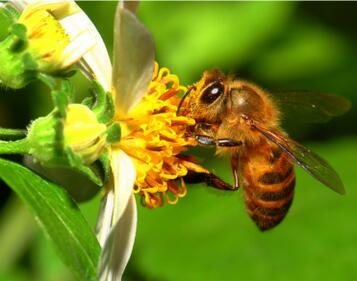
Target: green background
{"x": 208, "y": 235}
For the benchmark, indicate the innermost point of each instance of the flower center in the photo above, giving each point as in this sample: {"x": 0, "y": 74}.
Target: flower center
{"x": 154, "y": 137}
{"x": 47, "y": 38}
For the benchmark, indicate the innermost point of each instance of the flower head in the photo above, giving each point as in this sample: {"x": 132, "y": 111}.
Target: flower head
{"x": 40, "y": 40}
{"x": 154, "y": 138}
{"x": 148, "y": 158}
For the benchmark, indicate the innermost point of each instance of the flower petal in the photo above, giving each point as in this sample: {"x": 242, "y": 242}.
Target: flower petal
{"x": 119, "y": 190}
{"x": 119, "y": 245}
{"x": 95, "y": 62}
{"x": 21, "y": 4}
{"x": 124, "y": 179}
{"x": 130, "y": 5}
{"x": 133, "y": 61}
{"x": 78, "y": 49}
{"x": 58, "y": 8}
{"x": 104, "y": 222}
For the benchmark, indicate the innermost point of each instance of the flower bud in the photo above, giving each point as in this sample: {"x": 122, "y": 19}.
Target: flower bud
{"x": 55, "y": 141}
{"x": 83, "y": 133}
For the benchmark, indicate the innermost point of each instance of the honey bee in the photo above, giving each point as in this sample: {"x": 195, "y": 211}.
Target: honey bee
{"x": 243, "y": 120}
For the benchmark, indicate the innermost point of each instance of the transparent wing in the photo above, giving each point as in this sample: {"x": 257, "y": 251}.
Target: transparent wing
{"x": 311, "y": 107}
{"x": 305, "y": 158}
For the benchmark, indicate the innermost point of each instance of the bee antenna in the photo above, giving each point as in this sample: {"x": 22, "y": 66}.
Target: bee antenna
{"x": 183, "y": 98}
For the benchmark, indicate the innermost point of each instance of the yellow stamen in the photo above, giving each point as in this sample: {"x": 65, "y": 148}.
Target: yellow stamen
{"x": 154, "y": 137}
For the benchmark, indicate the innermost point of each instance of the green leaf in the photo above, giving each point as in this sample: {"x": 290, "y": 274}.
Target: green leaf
{"x": 59, "y": 216}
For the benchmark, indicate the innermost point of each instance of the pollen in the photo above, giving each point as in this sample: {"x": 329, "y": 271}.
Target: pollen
{"x": 155, "y": 138}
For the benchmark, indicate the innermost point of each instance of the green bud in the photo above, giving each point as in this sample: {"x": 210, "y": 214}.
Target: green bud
{"x": 56, "y": 141}
{"x": 46, "y": 141}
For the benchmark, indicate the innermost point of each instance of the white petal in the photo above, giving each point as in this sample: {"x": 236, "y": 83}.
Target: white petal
{"x": 133, "y": 61}
{"x": 120, "y": 188}
{"x": 124, "y": 179}
{"x": 119, "y": 245}
{"x": 105, "y": 217}
{"x": 48, "y": 4}
{"x": 116, "y": 225}
{"x": 97, "y": 60}
{"x": 21, "y": 4}
{"x": 77, "y": 49}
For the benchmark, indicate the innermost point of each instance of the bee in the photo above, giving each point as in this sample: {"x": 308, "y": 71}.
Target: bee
{"x": 242, "y": 119}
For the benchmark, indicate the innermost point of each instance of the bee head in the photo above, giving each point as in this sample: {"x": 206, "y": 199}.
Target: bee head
{"x": 205, "y": 98}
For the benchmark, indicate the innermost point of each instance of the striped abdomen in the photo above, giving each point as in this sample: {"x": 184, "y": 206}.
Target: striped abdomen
{"x": 269, "y": 182}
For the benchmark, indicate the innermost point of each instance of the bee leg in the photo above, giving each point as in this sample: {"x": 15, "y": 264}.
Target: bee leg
{"x": 235, "y": 169}
{"x": 228, "y": 142}
{"x": 210, "y": 179}
{"x": 207, "y": 140}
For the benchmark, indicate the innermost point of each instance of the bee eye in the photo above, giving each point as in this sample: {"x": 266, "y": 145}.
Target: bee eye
{"x": 211, "y": 93}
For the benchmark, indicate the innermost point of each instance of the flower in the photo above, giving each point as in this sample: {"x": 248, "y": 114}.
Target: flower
{"x": 42, "y": 40}
{"x": 154, "y": 137}
{"x": 147, "y": 160}
{"x": 54, "y": 139}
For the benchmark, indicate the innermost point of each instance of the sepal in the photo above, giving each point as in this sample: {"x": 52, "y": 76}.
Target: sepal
{"x": 103, "y": 105}
{"x": 18, "y": 67}
{"x": 8, "y": 16}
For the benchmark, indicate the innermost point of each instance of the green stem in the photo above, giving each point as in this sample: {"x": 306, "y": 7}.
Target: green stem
{"x": 12, "y": 134}
{"x": 14, "y": 147}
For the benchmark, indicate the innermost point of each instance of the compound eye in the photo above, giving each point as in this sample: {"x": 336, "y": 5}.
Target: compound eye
{"x": 212, "y": 92}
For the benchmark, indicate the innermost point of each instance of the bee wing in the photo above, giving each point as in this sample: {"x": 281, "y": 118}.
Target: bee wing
{"x": 305, "y": 158}
{"x": 311, "y": 107}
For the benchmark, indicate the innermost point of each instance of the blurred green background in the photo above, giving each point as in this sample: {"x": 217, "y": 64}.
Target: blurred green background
{"x": 208, "y": 235}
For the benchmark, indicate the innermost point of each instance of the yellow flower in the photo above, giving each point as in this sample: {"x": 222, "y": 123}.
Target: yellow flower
{"x": 55, "y": 141}
{"x": 154, "y": 137}
{"x": 83, "y": 133}
{"x": 148, "y": 159}
{"x": 54, "y": 40}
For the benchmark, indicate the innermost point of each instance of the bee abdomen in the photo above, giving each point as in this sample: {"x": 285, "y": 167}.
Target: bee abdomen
{"x": 268, "y": 197}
